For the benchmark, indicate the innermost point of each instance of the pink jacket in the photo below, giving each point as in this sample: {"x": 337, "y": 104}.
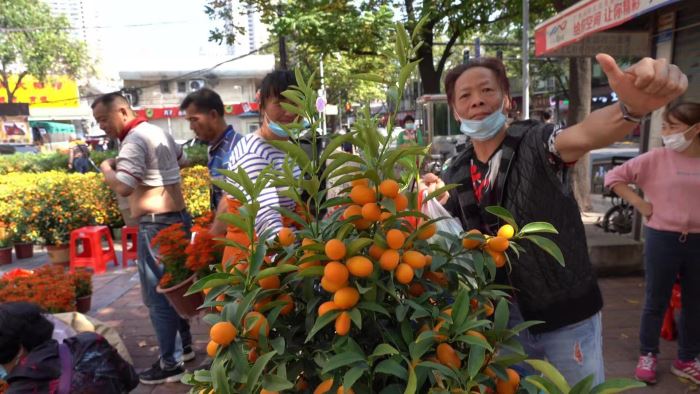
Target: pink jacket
{"x": 671, "y": 183}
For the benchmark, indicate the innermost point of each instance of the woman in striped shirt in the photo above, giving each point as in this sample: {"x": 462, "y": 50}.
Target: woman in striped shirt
{"x": 253, "y": 154}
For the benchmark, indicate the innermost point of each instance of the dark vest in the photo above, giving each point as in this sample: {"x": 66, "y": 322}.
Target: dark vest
{"x": 533, "y": 190}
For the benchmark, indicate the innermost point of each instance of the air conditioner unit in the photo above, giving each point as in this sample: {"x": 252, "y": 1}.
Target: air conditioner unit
{"x": 195, "y": 84}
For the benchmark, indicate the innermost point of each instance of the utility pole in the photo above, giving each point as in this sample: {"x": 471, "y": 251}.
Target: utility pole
{"x": 526, "y": 59}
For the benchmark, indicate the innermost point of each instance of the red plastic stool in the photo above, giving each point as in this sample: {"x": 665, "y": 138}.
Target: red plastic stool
{"x": 130, "y": 237}
{"x": 92, "y": 255}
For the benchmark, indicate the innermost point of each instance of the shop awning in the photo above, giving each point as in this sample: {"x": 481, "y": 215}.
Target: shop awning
{"x": 587, "y": 17}
{"x": 54, "y": 127}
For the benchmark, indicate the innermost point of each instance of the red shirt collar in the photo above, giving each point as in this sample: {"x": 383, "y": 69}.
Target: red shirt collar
{"x": 130, "y": 126}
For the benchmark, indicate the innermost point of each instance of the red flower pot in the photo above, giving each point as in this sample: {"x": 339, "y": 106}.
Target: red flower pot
{"x": 185, "y": 306}
{"x": 6, "y": 255}
{"x": 24, "y": 250}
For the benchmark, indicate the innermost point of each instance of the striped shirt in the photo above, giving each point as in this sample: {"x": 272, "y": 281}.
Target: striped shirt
{"x": 253, "y": 154}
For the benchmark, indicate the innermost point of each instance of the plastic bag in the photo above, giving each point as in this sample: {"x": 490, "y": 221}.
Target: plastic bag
{"x": 434, "y": 210}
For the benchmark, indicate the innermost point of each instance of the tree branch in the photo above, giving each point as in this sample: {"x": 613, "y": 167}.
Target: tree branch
{"x": 448, "y": 50}
{"x": 19, "y": 82}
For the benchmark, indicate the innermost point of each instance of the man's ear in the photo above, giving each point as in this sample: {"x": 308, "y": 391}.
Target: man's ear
{"x": 508, "y": 103}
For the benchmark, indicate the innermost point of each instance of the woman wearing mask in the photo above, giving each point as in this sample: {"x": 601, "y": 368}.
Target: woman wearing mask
{"x": 670, "y": 179}
{"x": 32, "y": 362}
{"x": 410, "y": 134}
{"x": 253, "y": 154}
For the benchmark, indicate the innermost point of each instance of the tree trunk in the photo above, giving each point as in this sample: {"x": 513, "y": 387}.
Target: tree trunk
{"x": 579, "y": 108}
{"x": 430, "y": 79}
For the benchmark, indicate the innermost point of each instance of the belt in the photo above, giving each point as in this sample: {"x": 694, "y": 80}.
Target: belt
{"x": 156, "y": 217}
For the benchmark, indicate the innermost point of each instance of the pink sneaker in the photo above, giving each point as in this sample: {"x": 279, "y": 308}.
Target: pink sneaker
{"x": 687, "y": 369}
{"x": 646, "y": 369}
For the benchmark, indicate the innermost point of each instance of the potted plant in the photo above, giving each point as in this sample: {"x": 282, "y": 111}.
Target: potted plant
{"x": 5, "y": 246}
{"x": 82, "y": 281}
{"x": 171, "y": 243}
{"x": 48, "y": 286}
{"x": 24, "y": 238}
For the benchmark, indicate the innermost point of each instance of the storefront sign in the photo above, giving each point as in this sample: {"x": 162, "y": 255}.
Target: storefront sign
{"x": 175, "y": 112}
{"x": 586, "y": 18}
{"x": 634, "y": 44}
{"x": 56, "y": 92}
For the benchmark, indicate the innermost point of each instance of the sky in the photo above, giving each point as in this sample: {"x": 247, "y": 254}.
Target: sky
{"x": 171, "y": 29}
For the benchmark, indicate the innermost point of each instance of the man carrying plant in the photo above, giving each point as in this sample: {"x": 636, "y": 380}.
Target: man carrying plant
{"x": 147, "y": 171}
{"x": 204, "y": 109}
{"x": 524, "y": 168}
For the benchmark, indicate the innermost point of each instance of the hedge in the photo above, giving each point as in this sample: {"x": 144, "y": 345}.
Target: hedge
{"x": 58, "y": 161}
{"x": 44, "y": 207}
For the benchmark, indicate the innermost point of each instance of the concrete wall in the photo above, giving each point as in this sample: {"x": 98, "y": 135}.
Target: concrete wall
{"x": 180, "y": 128}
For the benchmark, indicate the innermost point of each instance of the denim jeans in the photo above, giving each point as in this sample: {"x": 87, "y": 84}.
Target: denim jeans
{"x": 166, "y": 322}
{"x": 667, "y": 257}
{"x": 575, "y": 350}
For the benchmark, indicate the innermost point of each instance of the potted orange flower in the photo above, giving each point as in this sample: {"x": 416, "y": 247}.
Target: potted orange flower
{"x": 171, "y": 243}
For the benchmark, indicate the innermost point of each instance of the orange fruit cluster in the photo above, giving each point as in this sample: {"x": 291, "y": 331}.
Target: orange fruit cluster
{"x": 495, "y": 246}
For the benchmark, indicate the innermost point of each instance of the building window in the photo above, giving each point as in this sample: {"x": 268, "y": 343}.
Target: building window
{"x": 164, "y": 87}
{"x": 181, "y": 87}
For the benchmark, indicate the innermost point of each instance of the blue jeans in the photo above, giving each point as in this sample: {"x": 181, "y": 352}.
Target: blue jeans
{"x": 575, "y": 350}
{"x": 667, "y": 257}
{"x": 166, "y": 322}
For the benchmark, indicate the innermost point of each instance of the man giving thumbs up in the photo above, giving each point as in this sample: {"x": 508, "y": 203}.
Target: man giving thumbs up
{"x": 524, "y": 167}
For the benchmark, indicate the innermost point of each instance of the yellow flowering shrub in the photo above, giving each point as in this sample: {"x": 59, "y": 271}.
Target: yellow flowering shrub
{"x": 45, "y": 207}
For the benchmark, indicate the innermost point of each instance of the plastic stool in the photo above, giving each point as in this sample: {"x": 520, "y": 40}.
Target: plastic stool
{"x": 130, "y": 237}
{"x": 93, "y": 255}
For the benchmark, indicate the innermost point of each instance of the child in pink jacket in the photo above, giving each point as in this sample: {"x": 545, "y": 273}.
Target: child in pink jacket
{"x": 670, "y": 179}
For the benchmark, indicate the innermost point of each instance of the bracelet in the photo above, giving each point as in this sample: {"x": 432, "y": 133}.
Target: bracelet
{"x": 627, "y": 116}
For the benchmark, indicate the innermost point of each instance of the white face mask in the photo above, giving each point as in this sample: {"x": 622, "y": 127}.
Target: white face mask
{"x": 677, "y": 141}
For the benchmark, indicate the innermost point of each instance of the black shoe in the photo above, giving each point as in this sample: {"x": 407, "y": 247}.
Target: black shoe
{"x": 157, "y": 375}
{"x": 188, "y": 354}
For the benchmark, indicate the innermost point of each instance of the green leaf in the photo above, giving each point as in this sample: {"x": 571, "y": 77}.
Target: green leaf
{"x": 548, "y": 246}
{"x": 374, "y": 307}
{"x": 501, "y": 315}
{"x": 280, "y": 269}
{"x": 369, "y": 77}
{"x": 439, "y": 192}
{"x": 321, "y": 322}
{"x": 209, "y": 281}
{"x": 357, "y": 244}
{"x": 543, "y": 384}
{"x": 383, "y": 349}
{"x": 219, "y": 378}
{"x": 538, "y": 227}
{"x": 583, "y": 386}
{"x": 391, "y": 367}
{"x": 276, "y": 383}
{"x": 617, "y": 385}
{"x": 298, "y": 154}
{"x": 445, "y": 371}
{"x": 352, "y": 376}
{"x": 230, "y": 189}
{"x": 244, "y": 306}
{"x": 476, "y": 360}
{"x": 334, "y": 144}
{"x": 258, "y": 367}
{"x": 341, "y": 360}
{"x": 551, "y": 373}
{"x": 503, "y": 214}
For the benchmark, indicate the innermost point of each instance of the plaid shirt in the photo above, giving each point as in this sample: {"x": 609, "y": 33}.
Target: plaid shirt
{"x": 219, "y": 152}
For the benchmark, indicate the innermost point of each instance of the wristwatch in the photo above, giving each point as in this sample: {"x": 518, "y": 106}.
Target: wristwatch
{"x": 627, "y": 116}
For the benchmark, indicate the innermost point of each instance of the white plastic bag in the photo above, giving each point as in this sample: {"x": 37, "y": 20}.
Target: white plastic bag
{"x": 434, "y": 210}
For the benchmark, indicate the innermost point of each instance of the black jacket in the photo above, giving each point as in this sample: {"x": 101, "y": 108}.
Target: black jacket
{"x": 97, "y": 368}
{"x": 533, "y": 186}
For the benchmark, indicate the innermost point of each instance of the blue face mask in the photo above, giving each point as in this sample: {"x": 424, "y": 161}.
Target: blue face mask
{"x": 409, "y": 126}
{"x": 282, "y": 133}
{"x": 3, "y": 373}
{"x": 485, "y": 129}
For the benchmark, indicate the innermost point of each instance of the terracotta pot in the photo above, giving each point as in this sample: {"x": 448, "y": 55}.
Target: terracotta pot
{"x": 187, "y": 306}
{"x": 82, "y": 304}
{"x": 24, "y": 250}
{"x": 59, "y": 254}
{"x": 6, "y": 255}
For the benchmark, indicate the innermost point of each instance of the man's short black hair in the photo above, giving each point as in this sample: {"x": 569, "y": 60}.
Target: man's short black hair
{"x": 274, "y": 84}
{"x": 204, "y": 100}
{"x": 109, "y": 98}
{"x": 21, "y": 324}
{"x": 407, "y": 118}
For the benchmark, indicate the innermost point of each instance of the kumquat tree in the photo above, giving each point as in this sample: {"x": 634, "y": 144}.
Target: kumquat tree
{"x": 362, "y": 293}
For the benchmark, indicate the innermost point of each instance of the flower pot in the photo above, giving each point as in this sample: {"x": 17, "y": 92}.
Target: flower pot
{"x": 185, "y": 306}
{"x": 59, "y": 254}
{"x": 24, "y": 250}
{"x": 6, "y": 255}
{"x": 82, "y": 304}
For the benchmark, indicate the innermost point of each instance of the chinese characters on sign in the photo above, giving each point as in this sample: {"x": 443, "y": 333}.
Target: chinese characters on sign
{"x": 586, "y": 18}
{"x": 61, "y": 91}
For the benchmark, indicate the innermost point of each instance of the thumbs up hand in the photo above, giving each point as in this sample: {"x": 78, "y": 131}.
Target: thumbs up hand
{"x": 647, "y": 85}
